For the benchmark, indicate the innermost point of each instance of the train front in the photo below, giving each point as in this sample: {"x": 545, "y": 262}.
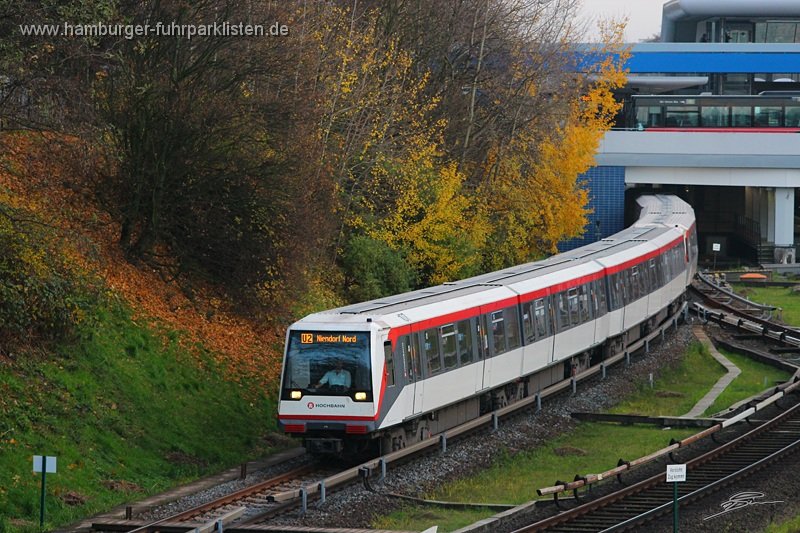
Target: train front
{"x": 330, "y": 387}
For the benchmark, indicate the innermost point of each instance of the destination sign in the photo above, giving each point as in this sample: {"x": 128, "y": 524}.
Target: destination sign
{"x": 331, "y": 338}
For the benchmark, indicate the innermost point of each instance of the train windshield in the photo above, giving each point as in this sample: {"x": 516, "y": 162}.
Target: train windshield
{"x": 330, "y": 363}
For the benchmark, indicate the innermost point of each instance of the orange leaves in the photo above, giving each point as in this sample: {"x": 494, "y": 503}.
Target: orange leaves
{"x": 41, "y": 174}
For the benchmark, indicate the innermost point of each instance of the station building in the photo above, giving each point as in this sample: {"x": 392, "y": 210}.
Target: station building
{"x": 711, "y": 113}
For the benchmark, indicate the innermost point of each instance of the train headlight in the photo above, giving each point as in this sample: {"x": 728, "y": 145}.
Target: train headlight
{"x": 296, "y": 395}
{"x": 361, "y": 396}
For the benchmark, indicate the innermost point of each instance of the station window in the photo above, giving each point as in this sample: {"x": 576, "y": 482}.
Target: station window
{"x": 498, "y": 332}
{"x": 741, "y": 116}
{"x": 464, "y": 342}
{"x": 449, "y": 346}
{"x": 431, "y": 346}
{"x": 715, "y": 116}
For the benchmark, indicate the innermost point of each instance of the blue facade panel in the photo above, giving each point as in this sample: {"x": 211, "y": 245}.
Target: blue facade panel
{"x": 709, "y": 63}
{"x": 699, "y": 58}
{"x": 607, "y": 200}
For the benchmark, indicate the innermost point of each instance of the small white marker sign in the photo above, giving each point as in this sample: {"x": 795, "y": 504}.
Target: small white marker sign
{"x": 50, "y": 464}
{"x": 676, "y": 473}
{"x": 716, "y": 247}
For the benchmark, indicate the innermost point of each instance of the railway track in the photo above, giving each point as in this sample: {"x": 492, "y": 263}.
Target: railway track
{"x": 258, "y": 503}
{"x": 255, "y": 503}
{"x": 652, "y": 497}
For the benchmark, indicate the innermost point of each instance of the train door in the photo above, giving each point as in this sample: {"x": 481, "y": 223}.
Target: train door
{"x": 483, "y": 367}
{"x": 409, "y": 347}
{"x": 419, "y": 383}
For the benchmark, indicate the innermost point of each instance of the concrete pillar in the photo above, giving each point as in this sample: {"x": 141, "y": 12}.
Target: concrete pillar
{"x": 771, "y": 217}
{"x": 784, "y": 216}
{"x": 763, "y": 213}
{"x": 750, "y": 206}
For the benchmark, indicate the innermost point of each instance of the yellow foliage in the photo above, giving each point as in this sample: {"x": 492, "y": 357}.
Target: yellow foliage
{"x": 440, "y": 228}
{"x": 535, "y": 196}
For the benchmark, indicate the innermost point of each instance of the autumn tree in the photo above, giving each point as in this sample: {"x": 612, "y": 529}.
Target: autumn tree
{"x": 203, "y": 180}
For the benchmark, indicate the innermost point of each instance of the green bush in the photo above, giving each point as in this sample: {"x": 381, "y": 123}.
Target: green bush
{"x": 372, "y": 269}
{"x": 39, "y": 301}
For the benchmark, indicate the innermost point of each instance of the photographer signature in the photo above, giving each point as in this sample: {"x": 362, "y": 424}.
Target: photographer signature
{"x": 740, "y": 501}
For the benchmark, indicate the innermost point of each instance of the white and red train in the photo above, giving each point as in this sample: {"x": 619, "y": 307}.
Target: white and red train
{"x": 424, "y": 361}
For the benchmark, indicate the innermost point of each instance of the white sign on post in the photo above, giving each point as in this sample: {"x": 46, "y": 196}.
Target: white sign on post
{"x": 716, "y": 247}
{"x": 50, "y": 464}
{"x": 676, "y": 473}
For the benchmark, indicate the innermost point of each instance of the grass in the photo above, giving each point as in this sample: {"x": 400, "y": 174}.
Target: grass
{"x": 755, "y": 378}
{"x": 678, "y": 388}
{"x": 790, "y": 526}
{"x": 127, "y": 412}
{"x": 595, "y": 447}
{"x": 513, "y": 479}
{"x": 782, "y": 297}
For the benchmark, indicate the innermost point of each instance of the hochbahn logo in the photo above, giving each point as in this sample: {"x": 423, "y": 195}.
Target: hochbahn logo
{"x": 311, "y": 405}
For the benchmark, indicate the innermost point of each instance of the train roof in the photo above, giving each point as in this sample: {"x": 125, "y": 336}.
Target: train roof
{"x": 662, "y": 220}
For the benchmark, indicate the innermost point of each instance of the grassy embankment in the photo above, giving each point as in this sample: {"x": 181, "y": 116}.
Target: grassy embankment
{"x": 127, "y": 412}
{"x": 514, "y": 479}
{"x": 134, "y": 383}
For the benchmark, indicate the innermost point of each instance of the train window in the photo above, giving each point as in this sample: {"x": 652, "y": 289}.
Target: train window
{"x": 574, "y": 315}
{"x": 311, "y": 355}
{"x": 464, "y": 342}
{"x": 653, "y": 277}
{"x": 600, "y": 295}
{"x": 387, "y": 354}
{"x": 483, "y": 337}
{"x": 498, "y": 332}
{"x": 540, "y": 318}
{"x": 615, "y": 298}
{"x": 624, "y": 284}
{"x": 634, "y": 283}
{"x": 431, "y": 346}
{"x": 410, "y": 356}
{"x": 527, "y": 322}
{"x": 512, "y": 327}
{"x": 449, "y": 346}
{"x": 562, "y": 311}
{"x": 643, "y": 280}
{"x": 583, "y": 303}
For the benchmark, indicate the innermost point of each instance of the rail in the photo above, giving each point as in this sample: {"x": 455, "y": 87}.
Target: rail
{"x": 766, "y": 310}
{"x": 440, "y": 440}
{"x": 589, "y": 479}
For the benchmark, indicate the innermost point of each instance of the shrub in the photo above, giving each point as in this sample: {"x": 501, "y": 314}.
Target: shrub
{"x": 372, "y": 269}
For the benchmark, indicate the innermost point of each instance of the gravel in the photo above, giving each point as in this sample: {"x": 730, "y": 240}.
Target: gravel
{"x": 356, "y": 507}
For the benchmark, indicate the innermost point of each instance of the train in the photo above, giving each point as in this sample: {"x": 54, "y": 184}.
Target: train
{"x": 379, "y": 375}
